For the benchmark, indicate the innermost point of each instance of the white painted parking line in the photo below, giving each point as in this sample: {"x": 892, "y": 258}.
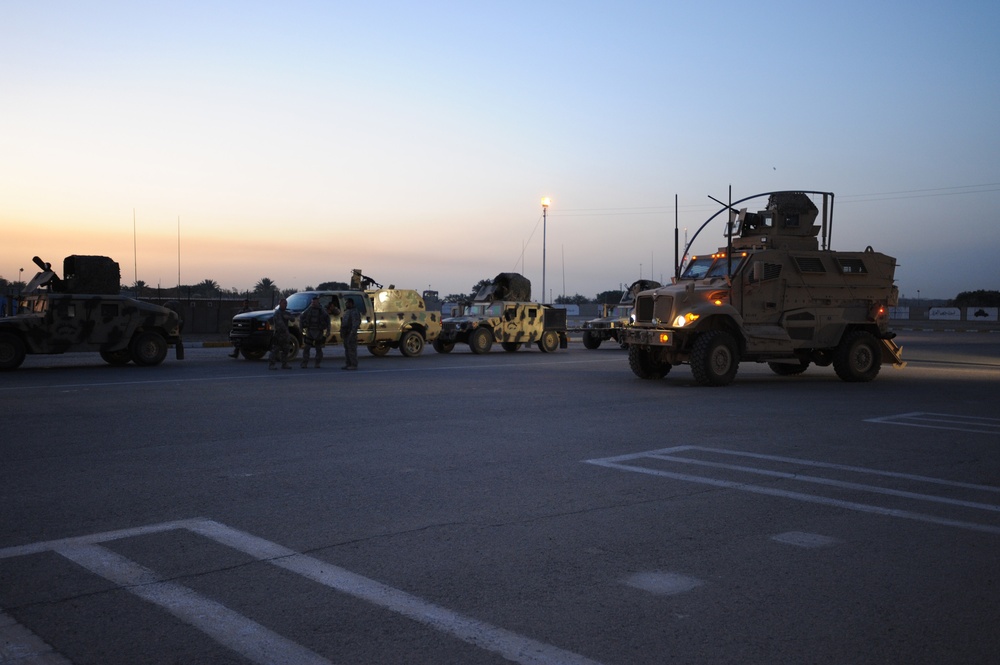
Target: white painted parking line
{"x": 244, "y": 636}
{"x": 19, "y": 646}
{"x": 632, "y": 464}
{"x": 956, "y": 423}
{"x": 258, "y": 643}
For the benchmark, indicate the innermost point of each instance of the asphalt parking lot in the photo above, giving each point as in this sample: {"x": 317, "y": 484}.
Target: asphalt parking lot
{"x": 512, "y": 507}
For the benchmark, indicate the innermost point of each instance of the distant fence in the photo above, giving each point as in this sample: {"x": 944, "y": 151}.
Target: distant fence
{"x": 208, "y": 316}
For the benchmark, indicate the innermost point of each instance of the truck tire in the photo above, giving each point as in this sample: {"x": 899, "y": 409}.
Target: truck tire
{"x": 510, "y": 347}
{"x": 789, "y": 369}
{"x": 379, "y": 348}
{"x": 644, "y": 365}
{"x": 443, "y": 347}
{"x": 481, "y": 340}
{"x": 411, "y": 343}
{"x": 857, "y": 358}
{"x": 590, "y": 340}
{"x": 148, "y": 348}
{"x": 12, "y": 351}
{"x": 253, "y": 354}
{"x": 549, "y": 341}
{"x": 117, "y": 358}
{"x": 714, "y": 358}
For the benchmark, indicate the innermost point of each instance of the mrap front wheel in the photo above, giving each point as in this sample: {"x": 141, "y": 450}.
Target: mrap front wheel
{"x": 646, "y": 364}
{"x": 714, "y": 358}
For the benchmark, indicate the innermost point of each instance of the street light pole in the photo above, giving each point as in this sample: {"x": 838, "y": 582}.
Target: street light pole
{"x": 546, "y": 202}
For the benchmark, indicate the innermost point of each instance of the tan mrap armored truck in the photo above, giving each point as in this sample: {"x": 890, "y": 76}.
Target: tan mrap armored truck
{"x": 502, "y": 312}
{"x": 85, "y": 311}
{"x": 773, "y": 295}
{"x": 614, "y": 317}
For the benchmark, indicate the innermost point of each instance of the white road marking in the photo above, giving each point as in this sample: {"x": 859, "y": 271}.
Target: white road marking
{"x": 974, "y": 424}
{"x": 255, "y": 641}
{"x": 619, "y": 462}
{"x": 20, "y": 646}
{"x": 244, "y": 636}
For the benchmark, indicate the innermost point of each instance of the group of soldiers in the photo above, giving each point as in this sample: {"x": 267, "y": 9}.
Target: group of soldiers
{"x": 315, "y": 323}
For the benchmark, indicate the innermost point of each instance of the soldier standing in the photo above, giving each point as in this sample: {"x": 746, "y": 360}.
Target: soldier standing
{"x": 315, "y": 324}
{"x": 281, "y": 338}
{"x": 349, "y": 324}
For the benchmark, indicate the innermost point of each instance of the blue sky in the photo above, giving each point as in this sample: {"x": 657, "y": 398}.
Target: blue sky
{"x": 298, "y": 140}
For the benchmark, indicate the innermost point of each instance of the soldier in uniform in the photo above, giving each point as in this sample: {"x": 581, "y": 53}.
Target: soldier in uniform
{"x": 350, "y": 321}
{"x": 281, "y": 338}
{"x": 315, "y": 324}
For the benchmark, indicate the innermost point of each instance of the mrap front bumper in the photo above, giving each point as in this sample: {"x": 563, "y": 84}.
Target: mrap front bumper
{"x": 649, "y": 336}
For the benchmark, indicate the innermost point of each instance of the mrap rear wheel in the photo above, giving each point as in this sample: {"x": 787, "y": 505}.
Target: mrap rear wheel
{"x": 858, "y": 358}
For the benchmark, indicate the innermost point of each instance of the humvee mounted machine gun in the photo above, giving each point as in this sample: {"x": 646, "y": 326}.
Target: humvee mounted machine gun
{"x": 772, "y": 295}
{"x": 84, "y": 311}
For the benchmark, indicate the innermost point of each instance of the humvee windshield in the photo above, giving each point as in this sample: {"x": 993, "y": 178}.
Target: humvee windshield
{"x": 493, "y": 309}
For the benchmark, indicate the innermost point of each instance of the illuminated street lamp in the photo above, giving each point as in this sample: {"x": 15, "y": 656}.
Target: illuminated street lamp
{"x": 546, "y": 202}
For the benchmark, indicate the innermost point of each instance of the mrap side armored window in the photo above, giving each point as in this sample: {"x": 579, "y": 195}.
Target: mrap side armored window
{"x": 852, "y": 266}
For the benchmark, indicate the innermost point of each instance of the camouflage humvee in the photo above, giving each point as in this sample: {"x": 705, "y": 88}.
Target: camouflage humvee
{"x": 614, "y": 317}
{"x": 500, "y": 314}
{"x": 84, "y": 311}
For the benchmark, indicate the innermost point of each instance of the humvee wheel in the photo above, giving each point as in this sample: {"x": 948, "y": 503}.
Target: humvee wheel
{"x": 622, "y": 343}
{"x": 481, "y": 340}
{"x": 510, "y": 347}
{"x": 443, "y": 347}
{"x": 253, "y": 354}
{"x": 643, "y": 365}
{"x": 549, "y": 341}
{"x": 411, "y": 343}
{"x": 379, "y": 349}
{"x": 714, "y": 358}
{"x": 789, "y": 369}
{"x": 148, "y": 348}
{"x": 12, "y": 351}
{"x": 118, "y": 358}
{"x": 590, "y": 340}
{"x": 858, "y": 357}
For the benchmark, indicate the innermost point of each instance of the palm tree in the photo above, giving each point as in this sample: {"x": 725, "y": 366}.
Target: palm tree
{"x": 208, "y": 287}
{"x": 139, "y": 286}
{"x": 265, "y": 286}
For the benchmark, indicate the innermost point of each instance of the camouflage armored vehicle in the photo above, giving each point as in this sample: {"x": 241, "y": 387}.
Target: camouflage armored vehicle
{"x": 84, "y": 311}
{"x": 390, "y": 319}
{"x": 772, "y": 295}
{"x": 502, "y": 312}
{"x": 614, "y": 317}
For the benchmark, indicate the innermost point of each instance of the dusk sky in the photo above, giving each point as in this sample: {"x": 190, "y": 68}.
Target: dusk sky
{"x": 415, "y": 140}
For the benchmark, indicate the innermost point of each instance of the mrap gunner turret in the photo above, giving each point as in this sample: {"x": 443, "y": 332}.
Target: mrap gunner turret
{"x": 774, "y": 294}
